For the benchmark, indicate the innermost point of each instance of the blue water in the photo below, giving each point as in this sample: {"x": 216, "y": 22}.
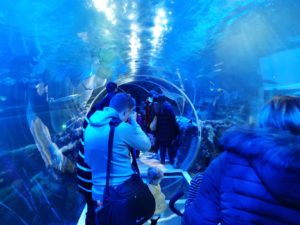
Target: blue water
{"x": 227, "y": 56}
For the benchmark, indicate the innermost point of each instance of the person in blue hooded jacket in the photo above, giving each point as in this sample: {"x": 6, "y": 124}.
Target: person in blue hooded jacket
{"x": 123, "y": 173}
{"x": 256, "y": 180}
{"x": 84, "y": 175}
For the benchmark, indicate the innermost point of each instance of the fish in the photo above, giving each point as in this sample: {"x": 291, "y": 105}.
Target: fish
{"x": 219, "y": 64}
{"x": 217, "y": 70}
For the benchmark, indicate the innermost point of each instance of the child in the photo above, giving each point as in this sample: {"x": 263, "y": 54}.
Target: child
{"x": 155, "y": 176}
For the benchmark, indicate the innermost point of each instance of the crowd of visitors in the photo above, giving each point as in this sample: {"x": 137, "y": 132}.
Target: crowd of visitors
{"x": 254, "y": 181}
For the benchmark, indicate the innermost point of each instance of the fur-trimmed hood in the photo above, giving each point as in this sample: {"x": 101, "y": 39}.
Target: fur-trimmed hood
{"x": 282, "y": 149}
{"x": 274, "y": 155}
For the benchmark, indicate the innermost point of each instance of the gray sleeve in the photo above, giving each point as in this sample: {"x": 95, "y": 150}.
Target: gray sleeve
{"x": 135, "y": 137}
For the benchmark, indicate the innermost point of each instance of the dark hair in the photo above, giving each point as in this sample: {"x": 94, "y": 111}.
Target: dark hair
{"x": 283, "y": 113}
{"x": 121, "y": 102}
{"x": 153, "y": 94}
{"x": 111, "y": 87}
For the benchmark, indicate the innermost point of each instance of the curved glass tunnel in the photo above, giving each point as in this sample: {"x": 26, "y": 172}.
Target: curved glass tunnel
{"x": 141, "y": 86}
{"x": 217, "y": 62}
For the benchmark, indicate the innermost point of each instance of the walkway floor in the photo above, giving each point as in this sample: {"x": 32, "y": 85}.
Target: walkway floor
{"x": 174, "y": 180}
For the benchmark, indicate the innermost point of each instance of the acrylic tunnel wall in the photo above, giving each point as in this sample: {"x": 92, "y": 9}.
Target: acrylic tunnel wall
{"x": 140, "y": 87}
{"x": 217, "y": 62}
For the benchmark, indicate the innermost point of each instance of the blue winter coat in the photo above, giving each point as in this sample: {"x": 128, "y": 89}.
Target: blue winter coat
{"x": 255, "y": 181}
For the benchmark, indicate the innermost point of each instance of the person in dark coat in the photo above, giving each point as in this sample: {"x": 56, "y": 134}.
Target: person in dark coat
{"x": 111, "y": 89}
{"x": 149, "y": 108}
{"x": 166, "y": 129}
{"x": 257, "y": 179}
{"x": 84, "y": 176}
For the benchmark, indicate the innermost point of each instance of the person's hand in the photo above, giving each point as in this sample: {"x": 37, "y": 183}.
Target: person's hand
{"x": 99, "y": 203}
{"x": 99, "y": 206}
{"x": 132, "y": 118}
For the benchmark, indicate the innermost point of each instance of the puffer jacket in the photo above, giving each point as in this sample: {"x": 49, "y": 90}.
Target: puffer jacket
{"x": 255, "y": 181}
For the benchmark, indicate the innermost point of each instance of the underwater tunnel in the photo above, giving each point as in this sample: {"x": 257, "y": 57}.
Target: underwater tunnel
{"x": 141, "y": 86}
{"x": 216, "y": 63}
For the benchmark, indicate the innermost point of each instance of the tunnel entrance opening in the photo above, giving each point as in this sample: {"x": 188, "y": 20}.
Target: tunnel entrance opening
{"x": 140, "y": 86}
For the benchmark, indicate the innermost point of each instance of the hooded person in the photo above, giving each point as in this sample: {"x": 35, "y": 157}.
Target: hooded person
{"x": 84, "y": 176}
{"x": 126, "y": 136}
{"x": 256, "y": 180}
{"x": 111, "y": 90}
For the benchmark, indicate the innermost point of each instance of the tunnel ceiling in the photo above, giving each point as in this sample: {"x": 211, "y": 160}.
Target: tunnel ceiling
{"x": 181, "y": 40}
{"x": 209, "y": 49}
